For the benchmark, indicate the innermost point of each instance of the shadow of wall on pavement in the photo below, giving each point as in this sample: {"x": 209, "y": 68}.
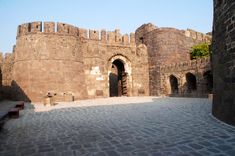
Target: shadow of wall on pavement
{"x": 17, "y": 93}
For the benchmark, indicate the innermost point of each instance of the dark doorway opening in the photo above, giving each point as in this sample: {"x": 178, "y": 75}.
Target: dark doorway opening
{"x": 209, "y": 81}
{"x": 117, "y": 79}
{"x": 174, "y": 84}
{"x": 191, "y": 82}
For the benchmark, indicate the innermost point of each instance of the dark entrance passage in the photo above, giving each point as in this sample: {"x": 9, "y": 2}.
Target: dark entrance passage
{"x": 191, "y": 82}
{"x": 174, "y": 84}
{"x": 117, "y": 79}
{"x": 209, "y": 81}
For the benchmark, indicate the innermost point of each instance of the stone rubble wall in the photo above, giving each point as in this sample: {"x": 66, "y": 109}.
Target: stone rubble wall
{"x": 197, "y": 67}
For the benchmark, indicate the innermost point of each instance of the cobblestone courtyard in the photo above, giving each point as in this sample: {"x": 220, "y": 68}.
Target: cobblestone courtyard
{"x": 119, "y": 126}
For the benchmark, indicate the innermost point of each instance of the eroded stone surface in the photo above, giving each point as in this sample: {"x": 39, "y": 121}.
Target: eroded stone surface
{"x": 62, "y": 58}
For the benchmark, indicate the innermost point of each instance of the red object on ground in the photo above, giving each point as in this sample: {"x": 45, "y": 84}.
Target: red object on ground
{"x": 20, "y": 105}
{"x": 14, "y": 113}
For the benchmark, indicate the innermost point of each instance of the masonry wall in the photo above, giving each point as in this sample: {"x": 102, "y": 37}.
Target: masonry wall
{"x": 61, "y": 58}
{"x": 224, "y": 60}
{"x": 1, "y": 62}
{"x": 7, "y": 65}
{"x": 166, "y": 46}
{"x": 48, "y": 61}
{"x": 103, "y": 48}
{"x": 200, "y": 68}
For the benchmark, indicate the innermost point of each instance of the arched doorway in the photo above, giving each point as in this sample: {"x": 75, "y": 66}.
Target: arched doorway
{"x": 174, "y": 84}
{"x": 117, "y": 79}
{"x": 209, "y": 81}
{"x": 191, "y": 82}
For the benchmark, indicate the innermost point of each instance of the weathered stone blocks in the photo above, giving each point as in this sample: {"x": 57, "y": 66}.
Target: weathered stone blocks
{"x": 224, "y": 61}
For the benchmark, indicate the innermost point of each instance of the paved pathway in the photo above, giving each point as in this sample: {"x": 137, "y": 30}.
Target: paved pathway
{"x": 147, "y": 126}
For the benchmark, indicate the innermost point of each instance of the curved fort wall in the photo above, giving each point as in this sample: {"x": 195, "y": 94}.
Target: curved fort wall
{"x": 47, "y": 60}
{"x": 166, "y": 46}
{"x": 223, "y": 59}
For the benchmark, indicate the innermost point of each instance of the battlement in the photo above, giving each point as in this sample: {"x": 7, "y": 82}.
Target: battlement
{"x": 66, "y": 29}
{"x": 202, "y": 62}
{"x": 47, "y": 27}
{"x": 197, "y": 35}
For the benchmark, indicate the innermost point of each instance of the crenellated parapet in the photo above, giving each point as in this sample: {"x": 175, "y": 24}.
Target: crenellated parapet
{"x": 47, "y": 27}
{"x": 187, "y": 65}
{"x": 111, "y": 37}
{"x": 197, "y": 35}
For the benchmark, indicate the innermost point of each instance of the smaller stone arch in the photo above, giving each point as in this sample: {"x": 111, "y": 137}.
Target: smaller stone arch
{"x": 208, "y": 77}
{"x": 117, "y": 85}
{"x": 191, "y": 82}
{"x": 174, "y": 84}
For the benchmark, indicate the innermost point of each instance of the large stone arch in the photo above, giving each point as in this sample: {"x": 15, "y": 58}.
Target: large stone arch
{"x": 119, "y": 76}
{"x": 191, "y": 82}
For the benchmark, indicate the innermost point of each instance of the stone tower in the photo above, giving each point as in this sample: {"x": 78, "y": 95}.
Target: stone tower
{"x": 224, "y": 60}
{"x": 47, "y": 61}
{"x": 166, "y": 46}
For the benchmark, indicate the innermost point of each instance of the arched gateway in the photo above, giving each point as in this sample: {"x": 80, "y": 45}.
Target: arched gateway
{"x": 117, "y": 79}
{"x": 118, "y": 76}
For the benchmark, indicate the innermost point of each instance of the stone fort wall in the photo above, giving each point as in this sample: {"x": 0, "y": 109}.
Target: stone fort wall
{"x": 60, "y": 58}
{"x": 63, "y": 59}
{"x": 223, "y": 60}
{"x": 166, "y": 46}
{"x": 47, "y": 61}
{"x": 200, "y": 68}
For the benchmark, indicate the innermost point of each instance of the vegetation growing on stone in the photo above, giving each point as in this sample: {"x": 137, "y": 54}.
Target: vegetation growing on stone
{"x": 200, "y": 50}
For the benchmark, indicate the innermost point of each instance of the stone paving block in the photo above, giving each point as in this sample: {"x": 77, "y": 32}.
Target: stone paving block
{"x": 231, "y": 152}
{"x": 196, "y": 146}
{"x": 205, "y": 143}
{"x": 231, "y": 140}
{"x": 224, "y": 147}
{"x": 27, "y": 151}
{"x": 99, "y": 154}
{"x": 166, "y": 126}
{"x": 156, "y": 154}
{"x": 75, "y": 147}
{"x": 213, "y": 150}
{"x": 112, "y": 153}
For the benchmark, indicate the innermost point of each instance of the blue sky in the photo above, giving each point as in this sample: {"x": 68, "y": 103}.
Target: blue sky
{"x": 126, "y": 15}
